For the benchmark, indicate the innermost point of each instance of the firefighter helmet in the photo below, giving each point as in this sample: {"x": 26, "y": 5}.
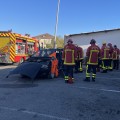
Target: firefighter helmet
{"x": 70, "y": 40}
{"x": 109, "y": 44}
{"x": 104, "y": 43}
{"x": 92, "y": 41}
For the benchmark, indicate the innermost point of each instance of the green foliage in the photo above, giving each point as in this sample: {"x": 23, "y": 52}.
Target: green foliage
{"x": 50, "y": 45}
{"x": 59, "y": 43}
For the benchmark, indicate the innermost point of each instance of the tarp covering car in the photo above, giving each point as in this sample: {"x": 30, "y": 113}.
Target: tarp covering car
{"x": 42, "y": 63}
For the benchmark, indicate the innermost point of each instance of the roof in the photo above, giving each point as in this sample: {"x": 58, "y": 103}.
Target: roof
{"x": 20, "y": 36}
{"x": 44, "y": 36}
{"x": 94, "y": 32}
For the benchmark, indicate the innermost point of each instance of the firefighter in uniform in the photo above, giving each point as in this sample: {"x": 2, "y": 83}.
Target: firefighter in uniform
{"x": 104, "y": 57}
{"x": 116, "y": 53}
{"x": 80, "y": 58}
{"x": 69, "y": 57}
{"x": 92, "y": 56}
{"x": 110, "y": 63}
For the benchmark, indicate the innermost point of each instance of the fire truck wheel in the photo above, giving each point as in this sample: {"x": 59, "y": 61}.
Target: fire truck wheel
{"x": 21, "y": 60}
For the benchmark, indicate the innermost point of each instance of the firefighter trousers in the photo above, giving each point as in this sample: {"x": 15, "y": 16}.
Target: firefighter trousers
{"x": 99, "y": 66}
{"x": 105, "y": 65}
{"x": 89, "y": 69}
{"x": 68, "y": 69}
{"x": 116, "y": 64}
{"x": 78, "y": 66}
{"x": 110, "y": 64}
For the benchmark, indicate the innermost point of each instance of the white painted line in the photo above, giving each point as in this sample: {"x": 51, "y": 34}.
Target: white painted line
{"x": 108, "y": 77}
{"x": 104, "y": 90}
{"x": 103, "y": 77}
{"x": 34, "y": 113}
{"x": 6, "y": 67}
{"x": 45, "y": 115}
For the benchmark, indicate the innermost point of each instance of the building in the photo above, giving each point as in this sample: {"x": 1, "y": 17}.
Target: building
{"x": 44, "y": 40}
{"x": 83, "y": 39}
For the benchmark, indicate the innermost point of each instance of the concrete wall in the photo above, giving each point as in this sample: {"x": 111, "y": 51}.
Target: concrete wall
{"x": 83, "y": 40}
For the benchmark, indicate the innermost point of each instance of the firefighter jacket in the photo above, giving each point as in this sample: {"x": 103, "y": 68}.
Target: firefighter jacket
{"x": 105, "y": 52}
{"x": 116, "y": 53}
{"x": 80, "y": 53}
{"x": 111, "y": 52}
{"x": 93, "y": 54}
{"x": 69, "y": 54}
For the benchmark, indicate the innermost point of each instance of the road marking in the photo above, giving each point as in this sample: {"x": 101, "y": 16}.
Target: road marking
{"x": 7, "y": 67}
{"x": 33, "y": 113}
{"x": 108, "y": 78}
{"x": 103, "y": 77}
{"x": 105, "y": 90}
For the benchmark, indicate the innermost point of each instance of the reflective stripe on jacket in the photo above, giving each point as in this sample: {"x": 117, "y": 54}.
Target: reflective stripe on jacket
{"x": 69, "y": 54}
{"x": 111, "y": 52}
{"x": 105, "y": 52}
{"x": 93, "y": 53}
{"x": 116, "y": 54}
{"x": 80, "y": 53}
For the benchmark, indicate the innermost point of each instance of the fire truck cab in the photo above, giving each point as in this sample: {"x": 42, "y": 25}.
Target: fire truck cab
{"x": 15, "y": 48}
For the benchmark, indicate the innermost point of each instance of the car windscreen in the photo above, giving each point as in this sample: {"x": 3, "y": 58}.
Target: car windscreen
{"x": 43, "y": 53}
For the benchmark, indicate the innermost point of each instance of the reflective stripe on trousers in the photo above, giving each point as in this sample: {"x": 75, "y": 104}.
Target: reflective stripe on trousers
{"x": 93, "y": 75}
{"x": 80, "y": 66}
{"x": 87, "y": 74}
{"x": 66, "y": 77}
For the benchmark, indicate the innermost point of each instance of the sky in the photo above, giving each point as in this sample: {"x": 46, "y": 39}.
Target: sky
{"x": 37, "y": 17}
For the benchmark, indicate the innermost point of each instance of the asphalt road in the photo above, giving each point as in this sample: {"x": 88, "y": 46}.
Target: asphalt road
{"x": 52, "y": 99}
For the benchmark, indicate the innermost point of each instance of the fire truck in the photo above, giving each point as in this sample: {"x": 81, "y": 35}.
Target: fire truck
{"x": 15, "y": 48}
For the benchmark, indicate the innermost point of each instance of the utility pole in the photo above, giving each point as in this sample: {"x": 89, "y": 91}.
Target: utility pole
{"x": 56, "y": 25}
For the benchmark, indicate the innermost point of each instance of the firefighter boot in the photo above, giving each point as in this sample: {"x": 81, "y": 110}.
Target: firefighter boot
{"x": 93, "y": 79}
{"x": 81, "y": 71}
{"x": 70, "y": 81}
{"x": 87, "y": 79}
{"x": 66, "y": 81}
{"x": 104, "y": 71}
{"x": 98, "y": 69}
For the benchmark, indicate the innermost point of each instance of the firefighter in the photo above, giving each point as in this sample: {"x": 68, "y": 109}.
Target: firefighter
{"x": 104, "y": 57}
{"x": 110, "y": 63}
{"x": 69, "y": 57}
{"x": 116, "y": 53}
{"x": 78, "y": 66}
{"x": 92, "y": 55}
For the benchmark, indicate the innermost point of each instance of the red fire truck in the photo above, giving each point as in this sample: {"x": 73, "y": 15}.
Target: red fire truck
{"x": 15, "y": 48}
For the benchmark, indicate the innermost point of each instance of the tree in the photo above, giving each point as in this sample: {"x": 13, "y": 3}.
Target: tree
{"x": 50, "y": 45}
{"x": 59, "y": 42}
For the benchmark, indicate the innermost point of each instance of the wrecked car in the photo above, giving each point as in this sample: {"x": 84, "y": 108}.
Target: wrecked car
{"x": 45, "y": 62}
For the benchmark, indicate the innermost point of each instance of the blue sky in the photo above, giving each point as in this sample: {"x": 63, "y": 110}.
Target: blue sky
{"x": 75, "y": 16}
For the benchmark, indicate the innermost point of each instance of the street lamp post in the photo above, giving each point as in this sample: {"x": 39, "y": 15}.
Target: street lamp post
{"x": 56, "y": 25}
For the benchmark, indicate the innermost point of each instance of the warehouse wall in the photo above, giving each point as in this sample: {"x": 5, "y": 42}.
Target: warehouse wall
{"x": 83, "y": 40}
